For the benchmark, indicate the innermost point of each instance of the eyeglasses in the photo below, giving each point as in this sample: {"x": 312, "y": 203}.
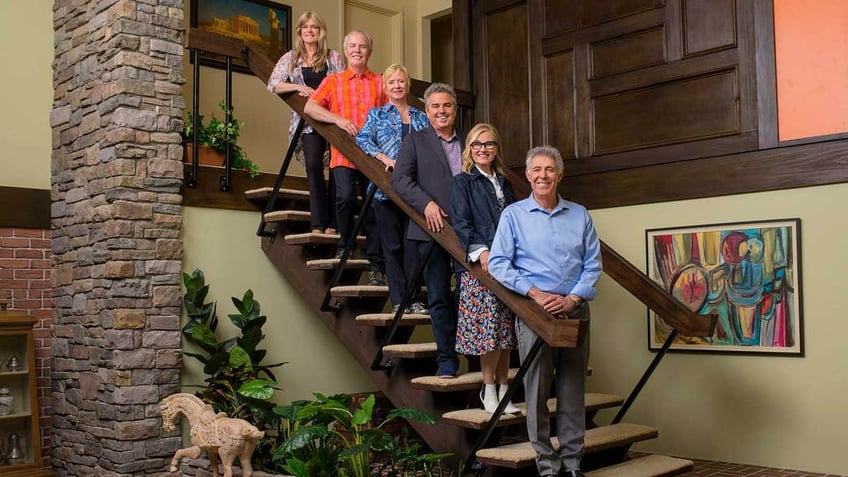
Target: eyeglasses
{"x": 476, "y": 145}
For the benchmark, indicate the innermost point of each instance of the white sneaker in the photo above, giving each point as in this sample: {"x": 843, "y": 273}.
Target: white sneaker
{"x": 510, "y": 407}
{"x": 489, "y": 396}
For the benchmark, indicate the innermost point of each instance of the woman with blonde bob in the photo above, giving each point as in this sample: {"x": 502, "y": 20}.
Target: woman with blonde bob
{"x": 381, "y": 137}
{"x": 485, "y": 326}
{"x": 302, "y": 70}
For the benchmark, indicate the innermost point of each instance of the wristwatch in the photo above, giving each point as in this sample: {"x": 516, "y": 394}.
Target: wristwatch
{"x": 576, "y": 299}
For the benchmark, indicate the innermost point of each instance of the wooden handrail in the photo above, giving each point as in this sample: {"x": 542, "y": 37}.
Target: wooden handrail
{"x": 564, "y": 333}
{"x": 686, "y": 322}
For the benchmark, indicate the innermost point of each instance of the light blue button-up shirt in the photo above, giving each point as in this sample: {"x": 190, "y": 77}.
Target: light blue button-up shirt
{"x": 557, "y": 252}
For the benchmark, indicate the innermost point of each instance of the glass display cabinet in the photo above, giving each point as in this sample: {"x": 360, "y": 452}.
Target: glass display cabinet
{"x": 20, "y": 440}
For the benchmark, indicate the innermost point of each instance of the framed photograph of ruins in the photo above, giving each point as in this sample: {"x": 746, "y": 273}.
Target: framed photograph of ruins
{"x": 749, "y": 274}
{"x": 263, "y": 22}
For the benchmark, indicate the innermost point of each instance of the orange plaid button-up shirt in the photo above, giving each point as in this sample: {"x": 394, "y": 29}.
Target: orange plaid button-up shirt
{"x": 351, "y": 96}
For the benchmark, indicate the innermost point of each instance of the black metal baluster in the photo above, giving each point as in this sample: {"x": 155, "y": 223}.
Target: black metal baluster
{"x": 410, "y": 294}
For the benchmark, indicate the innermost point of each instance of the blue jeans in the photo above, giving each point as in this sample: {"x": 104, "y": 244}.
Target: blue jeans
{"x": 442, "y": 304}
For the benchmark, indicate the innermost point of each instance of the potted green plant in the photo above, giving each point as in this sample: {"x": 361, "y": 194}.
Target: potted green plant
{"x": 331, "y": 437}
{"x": 213, "y": 138}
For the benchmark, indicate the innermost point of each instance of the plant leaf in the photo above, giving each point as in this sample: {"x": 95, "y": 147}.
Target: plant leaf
{"x": 410, "y": 414}
{"x": 353, "y": 450}
{"x": 303, "y": 436}
{"x": 258, "y": 389}
{"x": 240, "y": 357}
{"x": 363, "y": 414}
{"x": 205, "y": 337}
{"x": 296, "y": 466}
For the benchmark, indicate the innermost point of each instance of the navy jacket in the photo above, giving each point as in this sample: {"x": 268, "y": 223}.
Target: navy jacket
{"x": 474, "y": 208}
{"x": 422, "y": 174}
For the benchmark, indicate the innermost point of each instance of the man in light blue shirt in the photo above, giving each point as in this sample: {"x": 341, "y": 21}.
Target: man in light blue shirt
{"x": 546, "y": 248}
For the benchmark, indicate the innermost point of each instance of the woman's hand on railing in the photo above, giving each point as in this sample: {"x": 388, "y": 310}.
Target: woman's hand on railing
{"x": 305, "y": 91}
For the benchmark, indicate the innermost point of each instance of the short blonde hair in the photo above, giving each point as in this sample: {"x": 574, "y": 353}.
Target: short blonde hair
{"x": 392, "y": 69}
{"x": 476, "y": 132}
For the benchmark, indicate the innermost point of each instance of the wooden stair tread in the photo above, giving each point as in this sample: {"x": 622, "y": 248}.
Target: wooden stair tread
{"x": 359, "y": 291}
{"x": 598, "y": 439}
{"x": 263, "y": 193}
{"x": 332, "y": 263}
{"x": 310, "y": 238}
{"x": 647, "y": 466}
{"x": 386, "y": 319}
{"x": 478, "y": 418}
{"x": 463, "y": 382}
{"x": 288, "y": 216}
{"x": 410, "y": 350}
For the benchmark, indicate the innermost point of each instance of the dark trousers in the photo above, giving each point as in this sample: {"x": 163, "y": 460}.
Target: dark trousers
{"x": 442, "y": 304}
{"x": 322, "y": 197}
{"x": 348, "y": 183}
{"x": 400, "y": 255}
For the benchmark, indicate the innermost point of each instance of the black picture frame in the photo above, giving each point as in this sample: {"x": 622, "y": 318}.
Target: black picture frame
{"x": 749, "y": 273}
{"x": 247, "y": 20}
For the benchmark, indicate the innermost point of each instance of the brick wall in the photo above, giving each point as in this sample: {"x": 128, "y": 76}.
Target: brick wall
{"x": 25, "y": 270}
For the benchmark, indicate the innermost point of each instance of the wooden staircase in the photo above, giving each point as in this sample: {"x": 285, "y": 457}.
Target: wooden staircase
{"x": 360, "y": 323}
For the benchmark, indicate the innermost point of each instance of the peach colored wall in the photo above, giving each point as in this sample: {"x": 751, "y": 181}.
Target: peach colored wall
{"x": 811, "y": 40}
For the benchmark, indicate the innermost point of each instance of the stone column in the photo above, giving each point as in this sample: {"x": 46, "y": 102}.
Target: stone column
{"x": 116, "y": 176}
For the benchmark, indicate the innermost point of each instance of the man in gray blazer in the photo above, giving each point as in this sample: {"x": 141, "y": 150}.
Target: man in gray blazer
{"x": 425, "y": 166}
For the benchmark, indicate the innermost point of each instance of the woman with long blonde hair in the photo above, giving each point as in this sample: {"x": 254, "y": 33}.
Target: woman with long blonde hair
{"x": 485, "y": 326}
{"x": 302, "y": 70}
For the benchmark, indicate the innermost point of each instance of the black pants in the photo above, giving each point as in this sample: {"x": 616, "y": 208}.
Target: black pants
{"x": 401, "y": 255}
{"x": 348, "y": 183}
{"x": 322, "y": 198}
{"x": 442, "y": 303}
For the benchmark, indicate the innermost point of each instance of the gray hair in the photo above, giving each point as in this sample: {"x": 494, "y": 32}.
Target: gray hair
{"x": 439, "y": 88}
{"x": 361, "y": 32}
{"x": 548, "y": 151}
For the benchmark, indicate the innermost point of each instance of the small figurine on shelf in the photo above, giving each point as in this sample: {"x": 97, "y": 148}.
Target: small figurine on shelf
{"x": 15, "y": 452}
{"x": 15, "y": 364}
{"x": 7, "y": 401}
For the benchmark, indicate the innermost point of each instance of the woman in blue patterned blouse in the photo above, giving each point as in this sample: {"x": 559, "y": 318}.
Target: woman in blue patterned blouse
{"x": 302, "y": 70}
{"x": 381, "y": 137}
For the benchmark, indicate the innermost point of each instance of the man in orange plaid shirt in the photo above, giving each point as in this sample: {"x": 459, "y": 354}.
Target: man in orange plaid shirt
{"x": 344, "y": 99}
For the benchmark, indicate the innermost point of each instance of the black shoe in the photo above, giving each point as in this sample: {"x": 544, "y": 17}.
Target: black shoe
{"x": 339, "y": 253}
{"x": 376, "y": 279}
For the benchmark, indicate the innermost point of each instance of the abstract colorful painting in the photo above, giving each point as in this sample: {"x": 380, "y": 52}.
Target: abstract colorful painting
{"x": 746, "y": 273}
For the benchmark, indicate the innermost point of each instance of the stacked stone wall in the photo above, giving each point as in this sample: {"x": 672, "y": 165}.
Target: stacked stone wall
{"x": 116, "y": 221}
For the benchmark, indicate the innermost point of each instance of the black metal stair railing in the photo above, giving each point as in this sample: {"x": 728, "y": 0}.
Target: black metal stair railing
{"x": 226, "y": 178}
{"x": 278, "y": 183}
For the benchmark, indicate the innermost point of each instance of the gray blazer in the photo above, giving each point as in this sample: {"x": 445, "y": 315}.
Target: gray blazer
{"x": 422, "y": 174}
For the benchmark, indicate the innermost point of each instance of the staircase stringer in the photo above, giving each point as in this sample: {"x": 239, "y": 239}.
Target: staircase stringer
{"x": 363, "y": 343}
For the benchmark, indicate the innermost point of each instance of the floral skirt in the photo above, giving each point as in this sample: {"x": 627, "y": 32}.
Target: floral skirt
{"x": 484, "y": 323}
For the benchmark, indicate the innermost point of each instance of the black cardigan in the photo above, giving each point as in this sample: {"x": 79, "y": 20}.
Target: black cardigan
{"x": 474, "y": 209}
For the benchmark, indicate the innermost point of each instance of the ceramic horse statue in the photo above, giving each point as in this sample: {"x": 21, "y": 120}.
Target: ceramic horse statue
{"x": 216, "y": 434}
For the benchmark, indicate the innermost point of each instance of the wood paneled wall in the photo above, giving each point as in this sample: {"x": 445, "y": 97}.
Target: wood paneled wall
{"x": 662, "y": 99}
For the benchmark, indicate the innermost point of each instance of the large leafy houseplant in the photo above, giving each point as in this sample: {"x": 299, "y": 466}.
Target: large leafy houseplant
{"x": 217, "y": 133}
{"x": 327, "y": 438}
{"x": 237, "y": 382}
